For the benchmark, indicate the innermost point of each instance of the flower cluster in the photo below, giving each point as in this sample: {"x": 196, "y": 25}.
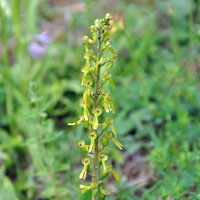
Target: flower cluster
{"x": 40, "y": 44}
{"x": 99, "y": 59}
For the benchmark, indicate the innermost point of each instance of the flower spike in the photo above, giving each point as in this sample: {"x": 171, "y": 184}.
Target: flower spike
{"x": 95, "y": 102}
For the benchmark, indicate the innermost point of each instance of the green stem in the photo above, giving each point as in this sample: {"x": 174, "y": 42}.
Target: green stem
{"x": 95, "y": 154}
{"x": 95, "y": 171}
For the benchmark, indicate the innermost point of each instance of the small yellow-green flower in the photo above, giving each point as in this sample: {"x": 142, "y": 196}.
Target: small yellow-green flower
{"x": 85, "y": 162}
{"x": 103, "y": 158}
{"x": 92, "y": 136}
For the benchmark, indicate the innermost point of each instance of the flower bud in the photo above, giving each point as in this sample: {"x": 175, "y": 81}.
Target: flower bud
{"x": 97, "y": 23}
{"x": 108, "y": 16}
{"x": 98, "y": 111}
{"x": 92, "y": 28}
{"x": 108, "y": 43}
{"x": 104, "y": 141}
{"x": 88, "y": 83}
{"x": 100, "y": 146}
{"x": 85, "y": 39}
{"x": 108, "y": 135}
{"x": 80, "y": 143}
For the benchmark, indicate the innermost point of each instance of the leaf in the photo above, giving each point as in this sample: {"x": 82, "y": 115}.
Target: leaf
{"x": 53, "y": 137}
{"x": 7, "y": 191}
{"x": 31, "y": 141}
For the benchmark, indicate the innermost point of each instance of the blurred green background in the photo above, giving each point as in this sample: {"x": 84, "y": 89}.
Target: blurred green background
{"x": 157, "y": 99}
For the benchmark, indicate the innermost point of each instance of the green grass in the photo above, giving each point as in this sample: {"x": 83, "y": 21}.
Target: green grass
{"x": 157, "y": 100}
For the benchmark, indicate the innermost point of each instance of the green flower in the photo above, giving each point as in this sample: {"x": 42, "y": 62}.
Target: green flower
{"x": 103, "y": 158}
{"x": 84, "y": 104}
{"x": 109, "y": 122}
{"x": 109, "y": 136}
{"x": 85, "y": 162}
{"x": 92, "y": 136}
{"x": 82, "y": 146}
{"x": 85, "y": 188}
{"x": 97, "y": 112}
{"x": 113, "y": 172}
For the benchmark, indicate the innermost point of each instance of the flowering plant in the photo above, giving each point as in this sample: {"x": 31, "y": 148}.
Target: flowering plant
{"x": 40, "y": 44}
{"x": 100, "y": 57}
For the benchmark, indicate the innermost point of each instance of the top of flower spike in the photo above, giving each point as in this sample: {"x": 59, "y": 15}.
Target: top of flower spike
{"x": 99, "y": 23}
{"x": 108, "y": 16}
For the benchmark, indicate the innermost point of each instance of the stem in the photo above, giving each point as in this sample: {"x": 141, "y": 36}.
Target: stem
{"x": 95, "y": 171}
{"x": 95, "y": 154}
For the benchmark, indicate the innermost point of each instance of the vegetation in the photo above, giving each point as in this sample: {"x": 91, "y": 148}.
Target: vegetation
{"x": 156, "y": 98}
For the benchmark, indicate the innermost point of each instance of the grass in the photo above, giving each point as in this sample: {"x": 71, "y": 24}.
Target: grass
{"x": 157, "y": 101}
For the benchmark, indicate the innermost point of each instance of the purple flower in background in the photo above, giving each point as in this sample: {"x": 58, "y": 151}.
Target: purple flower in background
{"x": 39, "y": 46}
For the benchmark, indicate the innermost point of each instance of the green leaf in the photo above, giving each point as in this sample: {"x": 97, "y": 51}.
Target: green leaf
{"x": 7, "y": 191}
{"x": 54, "y": 136}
